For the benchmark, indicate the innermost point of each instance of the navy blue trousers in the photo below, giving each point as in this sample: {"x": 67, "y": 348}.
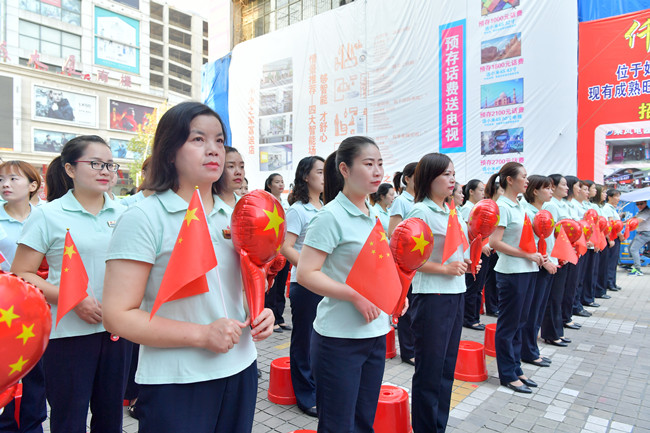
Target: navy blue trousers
{"x": 584, "y": 266}
{"x": 573, "y": 273}
{"x": 303, "y": 313}
{"x": 33, "y": 410}
{"x": 437, "y": 325}
{"x": 404, "y": 331}
{"x": 491, "y": 294}
{"x": 89, "y": 369}
{"x": 529, "y": 348}
{"x": 215, "y": 406}
{"x": 515, "y": 296}
{"x": 601, "y": 279}
{"x": 591, "y": 274}
{"x": 348, "y": 374}
{"x": 473, "y": 298}
{"x": 132, "y": 388}
{"x": 612, "y": 263}
{"x": 274, "y": 298}
{"x": 552, "y": 325}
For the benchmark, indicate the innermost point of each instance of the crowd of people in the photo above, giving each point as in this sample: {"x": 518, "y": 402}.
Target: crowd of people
{"x": 192, "y": 366}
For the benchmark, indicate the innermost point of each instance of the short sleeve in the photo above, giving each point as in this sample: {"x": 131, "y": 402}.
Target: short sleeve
{"x": 294, "y": 221}
{"x": 323, "y": 232}
{"x": 35, "y": 234}
{"x": 504, "y": 216}
{"x": 133, "y": 238}
{"x": 397, "y": 208}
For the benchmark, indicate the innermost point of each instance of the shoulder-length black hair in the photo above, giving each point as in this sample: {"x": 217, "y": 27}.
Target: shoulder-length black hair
{"x": 571, "y": 181}
{"x": 56, "y": 179}
{"x": 349, "y": 149}
{"x": 536, "y": 182}
{"x": 430, "y": 166}
{"x": 171, "y": 133}
{"x": 300, "y": 190}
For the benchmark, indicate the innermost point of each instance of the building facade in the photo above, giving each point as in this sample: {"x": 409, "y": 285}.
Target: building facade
{"x": 77, "y": 67}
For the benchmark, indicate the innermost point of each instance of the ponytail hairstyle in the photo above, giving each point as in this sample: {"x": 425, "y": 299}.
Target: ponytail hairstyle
{"x": 219, "y": 186}
{"x": 536, "y": 182}
{"x": 612, "y": 193}
{"x": 57, "y": 180}
{"x": 300, "y": 190}
{"x": 428, "y": 169}
{"x": 269, "y": 181}
{"x": 25, "y": 169}
{"x": 398, "y": 178}
{"x": 571, "y": 181}
{"x": 347, "y": 151}
{"x": 471, "y": 186}
{"x": 509, "y": 169}
{"x": 555, "y": 179}
{"x": 171, "y": 133}
{"x": 378, "y": 196}
{"x": 597, "y": 198}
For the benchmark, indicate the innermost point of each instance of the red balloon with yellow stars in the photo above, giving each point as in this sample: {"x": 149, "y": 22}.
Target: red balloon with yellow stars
{"x": 25, "y": 324}
{"x": 572, "y": 229}
{"x": 543, "y": 225}
{"x": 591, "y": 216}
{"x": 483, "y": 220}
{"x": 632, "y": 223}
{"x": 587, "y": 229}
{"x": 411, "y": 245}
{"x": 258, "y": 228}
{"x": 602, "y": 224}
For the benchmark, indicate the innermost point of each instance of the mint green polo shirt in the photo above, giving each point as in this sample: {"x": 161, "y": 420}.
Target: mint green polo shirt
{"x": 147, "y": 233}
{"x": 298, "y": 217}
{"x": 577, "y": 209}
{"x": 437, "y": 219}
{"x": 340, "y": 229}
{"x": 383, "y": 215}
{"x": 558, "y": 208}
{"x": 609, "y": 212}
{"x": 45, "y": 230}
{"x": 550, "y": 241}
{"x": 466, "y": 209}
{"x": 512, "y": 219}
{"x": 402, "y": 205}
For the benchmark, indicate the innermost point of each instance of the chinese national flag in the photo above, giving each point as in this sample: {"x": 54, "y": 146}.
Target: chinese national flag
{"x": 581, "y": 245}
{"x": 374, "y": 273}
{"x": 2, "y": 258}
{"x": 192, "y": 257}
{"x": 563, "y": 249}
{"x": 454, "y": 236}
{"x": 74, "y": 279}
{"x": 527, "y": 242}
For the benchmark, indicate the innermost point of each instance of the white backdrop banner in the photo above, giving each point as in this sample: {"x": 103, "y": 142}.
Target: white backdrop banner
{"x": 486, "y": 82}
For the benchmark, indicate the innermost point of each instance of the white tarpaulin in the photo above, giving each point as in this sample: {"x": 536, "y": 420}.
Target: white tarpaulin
{"x": 486, "y": 82}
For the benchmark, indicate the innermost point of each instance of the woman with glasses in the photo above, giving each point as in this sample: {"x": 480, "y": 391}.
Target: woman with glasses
{"x": 84, "y": 365}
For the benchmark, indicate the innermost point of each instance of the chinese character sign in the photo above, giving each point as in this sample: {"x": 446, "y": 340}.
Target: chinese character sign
{"x": 452, "y": 87}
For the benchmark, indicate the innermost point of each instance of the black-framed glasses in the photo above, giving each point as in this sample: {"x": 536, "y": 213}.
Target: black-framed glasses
{"x": 98, "y": 165}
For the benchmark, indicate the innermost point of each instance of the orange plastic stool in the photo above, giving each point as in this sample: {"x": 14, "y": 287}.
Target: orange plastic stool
{"x": 391, "y": 350}
{"x": 393, "y": 414}
{"x": 488, "y": 341}
{"x": 470, "y": 365}
{"x": 280, "y": 386}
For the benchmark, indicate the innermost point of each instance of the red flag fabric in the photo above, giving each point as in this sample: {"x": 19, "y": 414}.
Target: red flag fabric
{"x": 74, "y": 280}
{"x": 192, "y": 257}
{"x": 527, "y": 242}
{"x": 2, "y": 257}
{"x": 562, "y": 250}
{"x": 455, "y": 236}
{"x": 581, "y": 245}
{"x": 374, "y": 273}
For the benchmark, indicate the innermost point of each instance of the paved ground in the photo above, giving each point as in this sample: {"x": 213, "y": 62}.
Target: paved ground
{"x": 597, "y": 384}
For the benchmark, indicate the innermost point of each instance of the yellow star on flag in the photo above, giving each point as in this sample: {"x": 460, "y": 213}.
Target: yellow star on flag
{"x": 373, "y": 251}
{"x": 69, "y": 251}
{"x": 8, "y": 315}
{"x": 26, "y": 334}
{"x": 190, "y": 216}
{"x": 420, "y": 243}
{"x": 381, "y": 256}
{"x": 180, "y": 240}
{"x": 18, "y": 365}
{"x": 66, "y": 270}
{"x": 383, "y": 237}
{"x": 274, "y": 220}
{"x": 452, "y": 213}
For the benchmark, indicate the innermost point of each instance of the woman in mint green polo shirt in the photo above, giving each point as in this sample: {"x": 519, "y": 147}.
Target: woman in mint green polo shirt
{"x": 515, "y": 273}
{"x": 438, "y": 298}
{"x": 381, "y": 201}
{"x": 348, "y": 345}
{"x": 83, "y": 364}
{"x": 613, "y": 252}
{"x": 197, "y": 370}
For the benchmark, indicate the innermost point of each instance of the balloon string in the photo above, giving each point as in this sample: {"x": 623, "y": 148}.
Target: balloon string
{"x": 223, "y": 300}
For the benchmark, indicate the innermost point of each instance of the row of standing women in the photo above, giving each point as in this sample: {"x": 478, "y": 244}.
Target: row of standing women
{"x": 197, "y": 359}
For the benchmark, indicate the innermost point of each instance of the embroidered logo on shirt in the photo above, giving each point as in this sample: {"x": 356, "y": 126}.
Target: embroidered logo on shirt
{"x": 226, "y": 233}
{"x": 111, "y": 224}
